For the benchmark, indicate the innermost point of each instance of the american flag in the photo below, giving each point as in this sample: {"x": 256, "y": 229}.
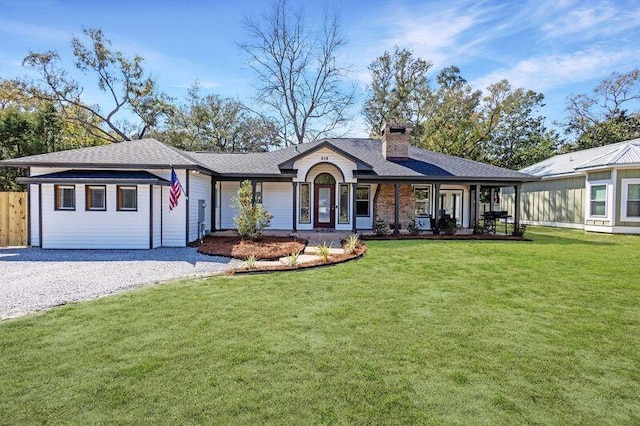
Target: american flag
{"x": 174, "y": 190}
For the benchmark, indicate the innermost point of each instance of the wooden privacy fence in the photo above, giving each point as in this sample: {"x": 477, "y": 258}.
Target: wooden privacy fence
{"x": 13, "y": 219}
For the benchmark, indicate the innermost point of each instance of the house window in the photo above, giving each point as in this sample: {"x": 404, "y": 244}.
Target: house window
{"x": 65, "y": 197}
{"x": 127, "y": 198}
{"x": 258, "y": 197}
{"x": 362, "y": 200}
{"x": 305, "y": 203}
{"x": 95, "y": 197}
{"x": 598, "y": 201}
{"x": 631, "y": 200}
{"x": 422, "y": 196}
{"x": 344, "y": 203}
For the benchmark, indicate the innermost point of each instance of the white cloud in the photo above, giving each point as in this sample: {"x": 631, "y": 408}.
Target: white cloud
{"x": 583, "y": 20}
{"x": 552, "y": 71}
{"x": 592, "y": 20}
{"x": 430, "y": 39}
{"x": 26, "y": 30}
{"x": 442, "y": 34}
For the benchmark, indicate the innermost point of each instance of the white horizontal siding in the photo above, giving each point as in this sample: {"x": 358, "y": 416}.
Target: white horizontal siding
{"x": 324, "y": 155}
{"x": 174, "y": 222}
{"x": 227, "y": 213}
{"x": 157, "y": 218}
{"x": 199, "y": 189}
{"x": 324, "y": 168}
{"x": 277, "y": 198}
{"x": 108, "y": 229}
{"x": 34, "y": 215}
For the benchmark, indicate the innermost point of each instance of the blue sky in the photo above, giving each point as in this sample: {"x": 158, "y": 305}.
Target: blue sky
{"x": 556, "y": 47}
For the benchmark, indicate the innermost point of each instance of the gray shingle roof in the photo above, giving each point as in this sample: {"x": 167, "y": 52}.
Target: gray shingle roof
{"x": 149, "y": 153}
{"x": 421, "y": 164}
{"x": 626, "y": 152}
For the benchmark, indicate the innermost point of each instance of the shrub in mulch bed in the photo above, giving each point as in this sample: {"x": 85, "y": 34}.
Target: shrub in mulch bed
{"x": 266, "y": 248}
{"x": 487, "y": 237}
{"x": 333, "y": 259}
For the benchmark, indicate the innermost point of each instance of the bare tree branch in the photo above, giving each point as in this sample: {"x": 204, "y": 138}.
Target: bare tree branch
{"x": 298, "y": 82}
{"x": 137, "y": 104}
{"x": 610, "y": 114}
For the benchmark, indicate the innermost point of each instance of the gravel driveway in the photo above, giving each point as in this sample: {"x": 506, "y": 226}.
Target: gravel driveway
{"x": 33, "y": 279}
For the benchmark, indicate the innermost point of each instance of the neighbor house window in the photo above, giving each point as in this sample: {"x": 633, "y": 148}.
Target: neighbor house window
{"x": 305, "y": 203}
{"x": 362, "y": 200}
{"x": 95, "y": 197}
{"x": 631, "y": 199}
{"x": 65, "y": 197}
{"x": 127, "y": 198}
{"x": 344, "y": 203}
{"x": 422, "y": 204}
{"x": 598, "y": 201}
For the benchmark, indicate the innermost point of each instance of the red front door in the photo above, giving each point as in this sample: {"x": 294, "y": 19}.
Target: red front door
{"x": 325, "y": 207}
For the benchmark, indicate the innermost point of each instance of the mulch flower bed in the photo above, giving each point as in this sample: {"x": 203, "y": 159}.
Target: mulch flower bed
{"x": 270, "y": 248}
{"x": 267, "y": 248}
{"x": 333, "y": 259}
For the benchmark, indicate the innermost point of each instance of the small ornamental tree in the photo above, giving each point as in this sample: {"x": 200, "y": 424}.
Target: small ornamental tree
{"x": 252, "y": 218}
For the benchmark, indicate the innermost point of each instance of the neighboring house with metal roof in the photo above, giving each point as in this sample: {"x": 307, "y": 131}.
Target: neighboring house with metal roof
{"x": 595, "y": 189}
{"x": 116, "y": 196}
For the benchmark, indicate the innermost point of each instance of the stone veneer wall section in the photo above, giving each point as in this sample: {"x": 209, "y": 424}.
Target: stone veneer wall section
{"x": 385, "y": 204}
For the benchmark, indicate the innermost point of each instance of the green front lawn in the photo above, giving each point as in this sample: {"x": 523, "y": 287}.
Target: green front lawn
{"x": 463, "y": 332}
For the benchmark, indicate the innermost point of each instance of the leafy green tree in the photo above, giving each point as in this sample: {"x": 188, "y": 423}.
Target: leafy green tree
{"x": 136, "y": 103}
{"x": 25, "y": 133}
{"x": 610, "y": 114}
{"x": 399, "y": 91}
{"x": 503, "y": 128}
{"x": 300, "y": 84}
{"x": 30, "y": 126}
{"x": 513, "y": 133}
{"x": 15, "y": 94}
{"x": 451, "y": 117}
{"x": 212, "y": 123}
{"x": 252, "y": 218}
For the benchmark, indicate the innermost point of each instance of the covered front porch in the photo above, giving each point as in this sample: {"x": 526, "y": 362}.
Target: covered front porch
{"x": 442, "y": 206}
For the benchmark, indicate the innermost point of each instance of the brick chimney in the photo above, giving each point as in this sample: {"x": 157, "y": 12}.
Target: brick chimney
{"x": 395, "y": 141}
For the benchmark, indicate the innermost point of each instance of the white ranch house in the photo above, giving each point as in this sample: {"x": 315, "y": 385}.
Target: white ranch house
{"x": 116, "y": 196}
